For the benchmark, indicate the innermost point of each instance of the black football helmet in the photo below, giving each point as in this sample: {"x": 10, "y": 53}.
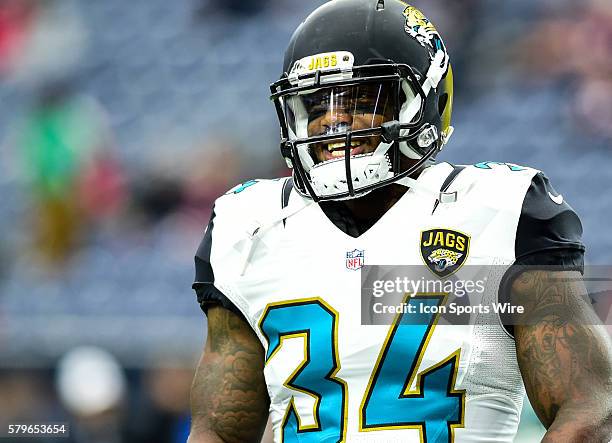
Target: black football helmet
{"x": 367, "y": 85}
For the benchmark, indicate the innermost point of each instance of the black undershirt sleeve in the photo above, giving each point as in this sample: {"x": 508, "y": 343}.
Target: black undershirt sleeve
{"x": 549, "y": 231}
{"x": 204, "y": 284}
{"x": 548, "y": 235}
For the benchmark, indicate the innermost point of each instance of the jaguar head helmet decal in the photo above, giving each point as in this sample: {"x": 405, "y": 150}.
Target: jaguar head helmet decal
{"x": 419, "y": 27}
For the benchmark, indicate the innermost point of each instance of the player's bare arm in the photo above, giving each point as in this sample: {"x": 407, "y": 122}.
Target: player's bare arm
{"x": 229, "y": 401}
{"x": 565, "y": 357}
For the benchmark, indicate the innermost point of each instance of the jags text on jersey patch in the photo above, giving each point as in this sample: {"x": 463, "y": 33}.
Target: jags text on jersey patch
{"x": 444, "y": 250}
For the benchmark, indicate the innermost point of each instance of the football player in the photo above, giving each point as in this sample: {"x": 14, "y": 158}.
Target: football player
{"x": 364, "y": 105}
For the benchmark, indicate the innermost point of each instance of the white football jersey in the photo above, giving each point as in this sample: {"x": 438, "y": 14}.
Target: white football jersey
{"x": 277, "y": 259}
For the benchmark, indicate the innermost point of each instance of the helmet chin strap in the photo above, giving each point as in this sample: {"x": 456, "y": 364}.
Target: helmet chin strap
{"x": 414, "y": 184}
{"x": 330, "y": 177}
{"x": 436, "y": 71}
{"x": 444, "y": 197}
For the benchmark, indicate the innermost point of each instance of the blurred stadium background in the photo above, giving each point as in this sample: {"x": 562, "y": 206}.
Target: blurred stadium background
{"x": 120, "y": 122}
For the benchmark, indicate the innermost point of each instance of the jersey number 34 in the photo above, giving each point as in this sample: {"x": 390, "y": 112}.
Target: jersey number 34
{"x": 434, "y": 406}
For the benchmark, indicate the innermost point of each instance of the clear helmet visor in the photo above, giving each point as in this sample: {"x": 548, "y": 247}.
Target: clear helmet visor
{"x": 334, "y": 111}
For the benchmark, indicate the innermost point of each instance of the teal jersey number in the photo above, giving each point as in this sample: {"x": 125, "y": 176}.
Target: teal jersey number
{"x": 487, "y": 165}
{"x": 317, "y": 323}
{"x": 241, "y": 187}
{"x": 434, "y": 407}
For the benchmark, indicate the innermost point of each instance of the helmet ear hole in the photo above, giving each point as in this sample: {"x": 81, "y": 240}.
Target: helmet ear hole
{"x": 442, "y": 101}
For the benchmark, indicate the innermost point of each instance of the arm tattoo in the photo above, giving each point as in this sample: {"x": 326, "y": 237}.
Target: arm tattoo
{"x": 228, "y": 395}
{"x": 563, "y": 353}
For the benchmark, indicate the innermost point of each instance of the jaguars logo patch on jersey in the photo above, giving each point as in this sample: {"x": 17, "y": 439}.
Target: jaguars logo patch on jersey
{"x": 444, "y": 250}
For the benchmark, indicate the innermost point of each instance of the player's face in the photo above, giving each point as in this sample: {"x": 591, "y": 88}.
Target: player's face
{"x": 338, "y": 110}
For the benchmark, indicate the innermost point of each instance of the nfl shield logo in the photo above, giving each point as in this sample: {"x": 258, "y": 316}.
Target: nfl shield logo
{"x": 354, "y": 259}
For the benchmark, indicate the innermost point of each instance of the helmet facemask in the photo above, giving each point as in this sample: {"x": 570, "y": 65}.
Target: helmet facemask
{"x": 333, "y": 113}
{"x": 345, "y": 131}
